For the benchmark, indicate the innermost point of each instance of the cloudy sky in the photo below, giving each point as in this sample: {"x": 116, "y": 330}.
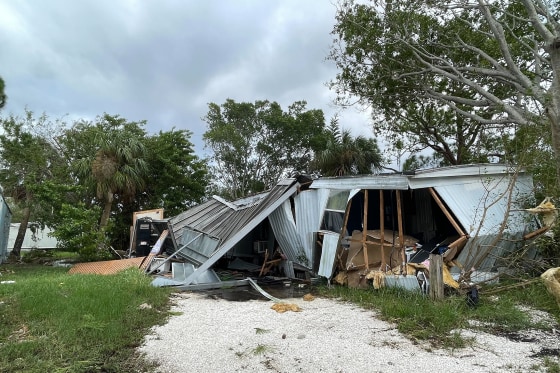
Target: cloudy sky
{"x": 164, "y": 61}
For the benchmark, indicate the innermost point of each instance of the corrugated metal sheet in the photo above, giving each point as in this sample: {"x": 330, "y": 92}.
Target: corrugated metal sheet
{"x": 465, "y": 170}
{"x": 395, "y": 182}
{"x": 309, "y": 209}
{"x": 221, "y": 219}
{"x": 227, "y": 223}
{"x": 296, "y": 237}
{"x": 284, "y": 228}
{"x": 482, "y": 205}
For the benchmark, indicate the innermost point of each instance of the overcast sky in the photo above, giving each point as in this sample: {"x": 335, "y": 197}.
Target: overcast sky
{"x": 164, "y": 61}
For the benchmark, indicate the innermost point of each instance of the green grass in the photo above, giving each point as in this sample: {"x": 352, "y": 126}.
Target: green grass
{"x": 437, "y": 322}
{"x": 54, "y": 322}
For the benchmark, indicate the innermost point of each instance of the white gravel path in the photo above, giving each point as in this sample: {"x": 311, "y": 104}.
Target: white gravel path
{"x": 216, "y": 335}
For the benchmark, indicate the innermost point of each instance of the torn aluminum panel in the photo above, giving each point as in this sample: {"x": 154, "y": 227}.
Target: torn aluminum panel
{"x": 328, "y": 254}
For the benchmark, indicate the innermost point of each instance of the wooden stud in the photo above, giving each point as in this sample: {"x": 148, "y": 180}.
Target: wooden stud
{"x": 446, "y": 212}
{"x": 401, "y": 233}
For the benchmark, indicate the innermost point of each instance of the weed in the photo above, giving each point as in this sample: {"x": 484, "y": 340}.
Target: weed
{"x": 261, "y": 331}
{"x": 261, "y": 349}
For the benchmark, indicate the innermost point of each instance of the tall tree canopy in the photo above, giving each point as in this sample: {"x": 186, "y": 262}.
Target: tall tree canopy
{"x": 122, "y": 169}
{"x": 256, "y": 144}
{"x": 29, "y": 162}
{"x": 177, "y": 176}
{"x": 453, "y": 75}
{"x": 347, "y": 155}
{"x": 117, "y": 165}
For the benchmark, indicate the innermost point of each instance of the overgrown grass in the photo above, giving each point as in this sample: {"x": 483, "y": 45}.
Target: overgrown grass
{"x": 54, "y": 322}
{"x": 437, "y": 322}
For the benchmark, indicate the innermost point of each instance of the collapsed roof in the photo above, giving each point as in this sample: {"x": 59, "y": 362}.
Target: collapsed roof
{"x": 310, "y": 223}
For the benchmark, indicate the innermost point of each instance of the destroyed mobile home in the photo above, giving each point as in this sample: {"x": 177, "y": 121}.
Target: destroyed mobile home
{"x": 362, "y": 231}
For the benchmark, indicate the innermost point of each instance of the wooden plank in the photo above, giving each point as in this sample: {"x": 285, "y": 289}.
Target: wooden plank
{"x": 539, "y": 231}
{"x": 446, "y": 212}
{"x": 401, "y": 233}
{"x": 344, "y": 225}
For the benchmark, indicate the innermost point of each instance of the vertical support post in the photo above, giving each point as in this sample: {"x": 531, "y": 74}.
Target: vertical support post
{"x": 382, "y": 229}
{"x": 364, "y": 230}
{"x": 436, "y": 277}
{"x": 344, "y": 225}
{"x": 401, "y": 233}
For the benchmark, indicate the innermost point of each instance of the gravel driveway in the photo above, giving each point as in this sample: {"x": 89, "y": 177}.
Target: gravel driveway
{"x": 215, "y": 335}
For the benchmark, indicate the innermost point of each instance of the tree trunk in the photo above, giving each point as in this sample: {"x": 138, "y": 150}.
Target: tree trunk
{"x": 106, "y": 210}
{"x": 553, "y": 110}
{"x": 16, "y": 251}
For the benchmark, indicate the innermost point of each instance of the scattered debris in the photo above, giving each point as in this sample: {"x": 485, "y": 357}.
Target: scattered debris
{"x": 308, "y": 297}
{"x": 284, "y": 307}
{"x": 551, "y": 279}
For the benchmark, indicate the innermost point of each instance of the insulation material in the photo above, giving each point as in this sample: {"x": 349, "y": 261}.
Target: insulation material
{"x": 551, "y": 279}
{"x": 447, "y": 277}
{"x": 547, "y": 210}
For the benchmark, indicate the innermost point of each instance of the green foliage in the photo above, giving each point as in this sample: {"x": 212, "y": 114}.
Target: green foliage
{"x": 116, "y": 160}
{"x": 549, "y": 248}
{"x": 77, "y": 231}
{"x": 256, "y": 144}
{"x": 178, "y": 178}
{"x": 29, "y": 162}
{"x": 347, "y": 155}
{"x": 52, "y": 321}
{"x": 439, "y": 77}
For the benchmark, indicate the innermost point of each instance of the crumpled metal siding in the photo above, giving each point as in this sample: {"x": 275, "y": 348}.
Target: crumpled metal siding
{"x": 222, "y": 220}
{"x": 284, "y": 228}
{"x": 296, "y": 237}
{"x": 309, "y": 208}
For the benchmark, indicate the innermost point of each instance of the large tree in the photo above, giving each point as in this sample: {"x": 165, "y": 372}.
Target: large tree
{"x": 111, "y": 159}
{"x": 177, "y": 176}
{"x": 347, "y": 155}
{"x": 29, "y": 163}
{"x": 490, "y": 67}
{"x": 256, "y": 144}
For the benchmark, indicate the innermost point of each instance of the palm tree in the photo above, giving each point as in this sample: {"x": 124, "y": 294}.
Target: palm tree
{"x": 118, "y": 165}
{"x": 347, "y": 155}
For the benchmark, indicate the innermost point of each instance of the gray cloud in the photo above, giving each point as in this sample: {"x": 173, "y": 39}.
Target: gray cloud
{"x": 164, "y": 61}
